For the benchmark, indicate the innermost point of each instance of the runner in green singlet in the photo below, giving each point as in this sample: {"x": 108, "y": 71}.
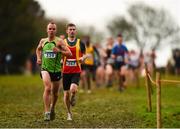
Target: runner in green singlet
{"x": 49, "y": 53}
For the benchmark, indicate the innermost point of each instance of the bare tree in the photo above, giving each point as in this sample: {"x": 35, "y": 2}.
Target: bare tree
{"x": 120, "y": 24}
{"x": 147, "y": 26}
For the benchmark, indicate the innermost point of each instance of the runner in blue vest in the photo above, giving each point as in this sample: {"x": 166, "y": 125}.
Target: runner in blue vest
{"x": 119, "y": 54}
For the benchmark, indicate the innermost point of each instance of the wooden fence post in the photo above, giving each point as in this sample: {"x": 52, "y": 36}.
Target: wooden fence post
{"x": 158, "y": 100}
{"x": 148, "y": 89}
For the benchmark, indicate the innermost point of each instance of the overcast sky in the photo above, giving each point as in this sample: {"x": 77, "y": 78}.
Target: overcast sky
{"x": 98, "y": 12}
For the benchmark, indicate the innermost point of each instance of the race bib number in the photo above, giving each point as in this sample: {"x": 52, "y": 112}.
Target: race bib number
{"x": 50, "y": 55}
{"x": 71, "y": 62}
{"x": 119, "y": 59}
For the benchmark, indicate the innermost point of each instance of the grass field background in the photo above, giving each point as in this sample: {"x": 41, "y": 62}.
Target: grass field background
{"x": 21, "y": 106}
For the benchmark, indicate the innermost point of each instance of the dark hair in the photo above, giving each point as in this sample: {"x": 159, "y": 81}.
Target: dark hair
{"x": 119, "y": 35}
{"x": 70, "y": 25}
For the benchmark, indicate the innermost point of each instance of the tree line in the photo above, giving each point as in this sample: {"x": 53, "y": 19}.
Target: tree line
{"x": 23, "y": 23}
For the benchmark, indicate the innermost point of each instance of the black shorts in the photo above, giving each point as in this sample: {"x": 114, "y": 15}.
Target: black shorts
{"x": 53, "y": 76}
{"x": 90, "y": 68}
{"x": 118, "y": 65}
{"x": 133, "y": 67}
{"x": 69, "y": 78}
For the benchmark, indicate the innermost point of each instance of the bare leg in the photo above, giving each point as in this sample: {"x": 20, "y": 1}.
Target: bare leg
{"x": 73, "y": 91}
{"x": 109, "y": 75}
{"x": 100, "y": 76}
{"x": 121, "y": 79}
{"x": 88, "y": 77}
{"x": 67, "y": 100}
{"x": 83, "y": 80}
{"x": 47, "y": 90}
{"x": 55, "y": 91}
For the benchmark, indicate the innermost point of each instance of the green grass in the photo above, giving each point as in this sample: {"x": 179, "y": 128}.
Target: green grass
{"x": 21, "y": 106}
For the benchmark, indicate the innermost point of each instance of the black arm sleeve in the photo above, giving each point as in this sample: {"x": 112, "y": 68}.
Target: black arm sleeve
{"x": 96, "y": 51}
{"x": 82, "y": 47}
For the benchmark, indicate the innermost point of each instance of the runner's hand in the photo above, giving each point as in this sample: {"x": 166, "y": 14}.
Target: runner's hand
{"x": 56, "y": 50}
{"x": 81, "y": 60}
{"x": 39, "y": 61}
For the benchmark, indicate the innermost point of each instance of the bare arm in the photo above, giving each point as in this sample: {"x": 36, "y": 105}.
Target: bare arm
{"x": 126, "y": 58}
{"x": 39, "y": 52}
{"x": 113, "y": 56}
{"x": 61, "y": 47}
{"x": 84, "y": 57}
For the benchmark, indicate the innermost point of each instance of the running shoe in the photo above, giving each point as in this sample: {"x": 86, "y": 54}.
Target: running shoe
{"x": 69, "y": 117}
{"x": 52, "y": 114}
{"x": 47, "y": 116}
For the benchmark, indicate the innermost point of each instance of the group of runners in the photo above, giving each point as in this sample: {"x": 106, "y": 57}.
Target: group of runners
{"x": 50, "y": 52}
{"x": 76, "y": 61}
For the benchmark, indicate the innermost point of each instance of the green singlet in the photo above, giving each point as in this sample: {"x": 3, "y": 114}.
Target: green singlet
{"x": 51, "y": 61}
